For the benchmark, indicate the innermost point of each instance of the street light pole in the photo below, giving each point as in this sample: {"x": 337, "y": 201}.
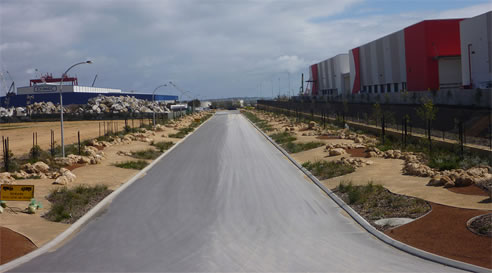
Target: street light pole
{"x": 61, "y": 103}
{"x": 153, "y": 102}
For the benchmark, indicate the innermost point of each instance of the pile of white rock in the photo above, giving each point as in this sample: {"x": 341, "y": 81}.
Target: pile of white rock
{"x": 43, "y": 108}
{"x": 121, "y": 104}
{"x": 12, "y": 111}
{"x": 97, "y": 105}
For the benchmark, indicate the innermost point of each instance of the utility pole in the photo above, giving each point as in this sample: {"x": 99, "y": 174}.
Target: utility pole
{"x": 279, "y": 87}
{"x": 288, "y": 74}
{"x": 302, "y": 83}
{"x": 271, "y": 81}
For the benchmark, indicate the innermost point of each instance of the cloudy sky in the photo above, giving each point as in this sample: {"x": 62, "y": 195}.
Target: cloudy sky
{"x": 212, "y": 48}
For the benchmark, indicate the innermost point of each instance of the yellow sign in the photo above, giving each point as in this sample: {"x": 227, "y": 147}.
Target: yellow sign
{"x": 16, "y": 192}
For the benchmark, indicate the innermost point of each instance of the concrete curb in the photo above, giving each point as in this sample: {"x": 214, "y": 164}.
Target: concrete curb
{"x": 361, "y": 221}
{"x": 94, "y": 212}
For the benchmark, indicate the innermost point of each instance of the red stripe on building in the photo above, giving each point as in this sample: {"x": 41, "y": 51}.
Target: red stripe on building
{"x": 314, "y": 74}
{"x": 355, "y": 54}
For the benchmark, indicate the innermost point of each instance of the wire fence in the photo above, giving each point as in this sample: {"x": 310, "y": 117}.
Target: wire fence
{"x": 463, "y": 125}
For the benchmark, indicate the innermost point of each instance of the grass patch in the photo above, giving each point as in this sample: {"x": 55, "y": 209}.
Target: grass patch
{"x": 374, "y": 202}
{"x": 262, "y": 124}
{"x": 68, "y": 205}
{"x": 439, "y": 157}
{"x": 184, "y": 131}
{"x": 146, "y": 154}
{"x": 163, "y": 145}
{"x": 136, "y": 165}
{"x": 328, "y": 169}
{"x": 283, "y": 137}
{"x": 292, "y": 147}
{"x": 22, "y": 178}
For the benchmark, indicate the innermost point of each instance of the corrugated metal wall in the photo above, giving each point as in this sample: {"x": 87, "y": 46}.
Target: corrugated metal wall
{"x": 476, "y": 50}
{"x": 382, "y": 62}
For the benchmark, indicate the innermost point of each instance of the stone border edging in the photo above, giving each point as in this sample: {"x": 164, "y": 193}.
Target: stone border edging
{"x": 92, "y": 213}
{"x": 468, "y": 223}
{"x": 368, "y": 227}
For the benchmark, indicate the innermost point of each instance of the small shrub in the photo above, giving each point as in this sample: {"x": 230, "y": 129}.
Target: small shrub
{"x": 136, "y": 165}
{"x": 292, "y": 147}
{"x": 283, "y": 137}
{"x": 146, "y": 154}
{"x": 68, "y": 205}
{"x": 328, "y": 169}
{"x": 35, "y": 152}
{"x": 163, "y": 145}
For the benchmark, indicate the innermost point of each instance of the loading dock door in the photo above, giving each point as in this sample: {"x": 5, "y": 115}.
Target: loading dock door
{"x": 450, "y": 72}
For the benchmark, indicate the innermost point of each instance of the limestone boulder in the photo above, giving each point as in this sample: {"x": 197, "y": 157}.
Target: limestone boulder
{"x": 41, "y": 167}
{"x": 337, "y": 151}
{"x": 6, "y": 178}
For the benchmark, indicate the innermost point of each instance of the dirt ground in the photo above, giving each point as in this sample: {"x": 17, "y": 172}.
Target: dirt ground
{"x": 387, "y": 172}
{"x": 39, "y": 230}
{"x": 20, "y": 134}
{"x": 443, "y": 231}
{"x": 13, "y": 245}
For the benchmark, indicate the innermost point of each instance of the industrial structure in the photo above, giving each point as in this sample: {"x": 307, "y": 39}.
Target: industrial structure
{"x": 47, "y": 89}
{"x": 476, "y": 51}
{"x": 429, "y": 55}
{"x": 332, "y": 76}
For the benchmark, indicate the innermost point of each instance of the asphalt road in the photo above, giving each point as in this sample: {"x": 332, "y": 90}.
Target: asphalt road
{"x": 225, "y": 200}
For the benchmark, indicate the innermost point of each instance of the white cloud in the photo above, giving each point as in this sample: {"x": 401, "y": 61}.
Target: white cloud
{"x": 215, "y": 47}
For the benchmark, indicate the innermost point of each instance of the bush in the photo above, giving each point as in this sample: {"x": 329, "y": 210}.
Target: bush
{"x": 163, "y": 145}
{"x": 68, "y": 205}
{"x": 292, "y": 147}
{"x": 146, "y": 154}
{"x": 328, "y": 169}
{"x": 136, "y": 165}
{"x": 283, "y": 137}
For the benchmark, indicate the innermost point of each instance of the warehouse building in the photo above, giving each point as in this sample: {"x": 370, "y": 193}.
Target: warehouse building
{"x": 476, "y": 51}
{"x": 424, "y": 56}
{"x": 334, "y": 75}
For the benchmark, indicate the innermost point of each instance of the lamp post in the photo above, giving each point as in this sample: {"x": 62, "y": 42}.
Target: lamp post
{"x": 61, "y": 103}
{"x": 153, "y": 102}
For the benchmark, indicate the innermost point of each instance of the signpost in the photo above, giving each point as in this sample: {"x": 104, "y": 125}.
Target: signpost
{"x": 16, "y": 192}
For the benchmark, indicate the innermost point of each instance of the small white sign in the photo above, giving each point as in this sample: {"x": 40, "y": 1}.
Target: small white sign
{"x": 45, "y": 88}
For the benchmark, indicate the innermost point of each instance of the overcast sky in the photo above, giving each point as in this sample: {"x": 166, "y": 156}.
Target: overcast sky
{"x": 213, "y": 48}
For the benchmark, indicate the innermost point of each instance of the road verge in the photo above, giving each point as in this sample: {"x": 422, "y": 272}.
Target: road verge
{"x": 368, "y": 227}
{"x": 91, "y": 214}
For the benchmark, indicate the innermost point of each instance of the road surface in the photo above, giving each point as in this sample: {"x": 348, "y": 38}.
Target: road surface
{"x": 225, "y": 200}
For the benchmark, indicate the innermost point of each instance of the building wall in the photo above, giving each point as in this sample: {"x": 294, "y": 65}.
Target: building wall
{"x": 381, "y": 64}
{"x": 354, "y": 62}
{"x": 314, "y": 78}
{"x": 330, "y": 74}
{"x": 425, "y": 43}
{"x": 476, "y": 50}
{"x": 55, "y": 88}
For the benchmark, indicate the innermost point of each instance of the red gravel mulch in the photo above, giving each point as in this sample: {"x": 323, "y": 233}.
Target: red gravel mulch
{"x": 443, "y": 232}
{"x": 469, "y": 190}
{"x": 74, "y": 166}
{"x": 357, "y": 152}
{"x": 13, "y": 245}
{"x": 99, "y": 148}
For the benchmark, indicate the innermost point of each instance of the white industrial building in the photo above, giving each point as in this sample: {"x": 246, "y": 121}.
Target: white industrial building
{"x": 55, "y": 88}
{"x": 476, "y": 51}
{"x": 382, "y": 64}
{"x": 334, "y": 76}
